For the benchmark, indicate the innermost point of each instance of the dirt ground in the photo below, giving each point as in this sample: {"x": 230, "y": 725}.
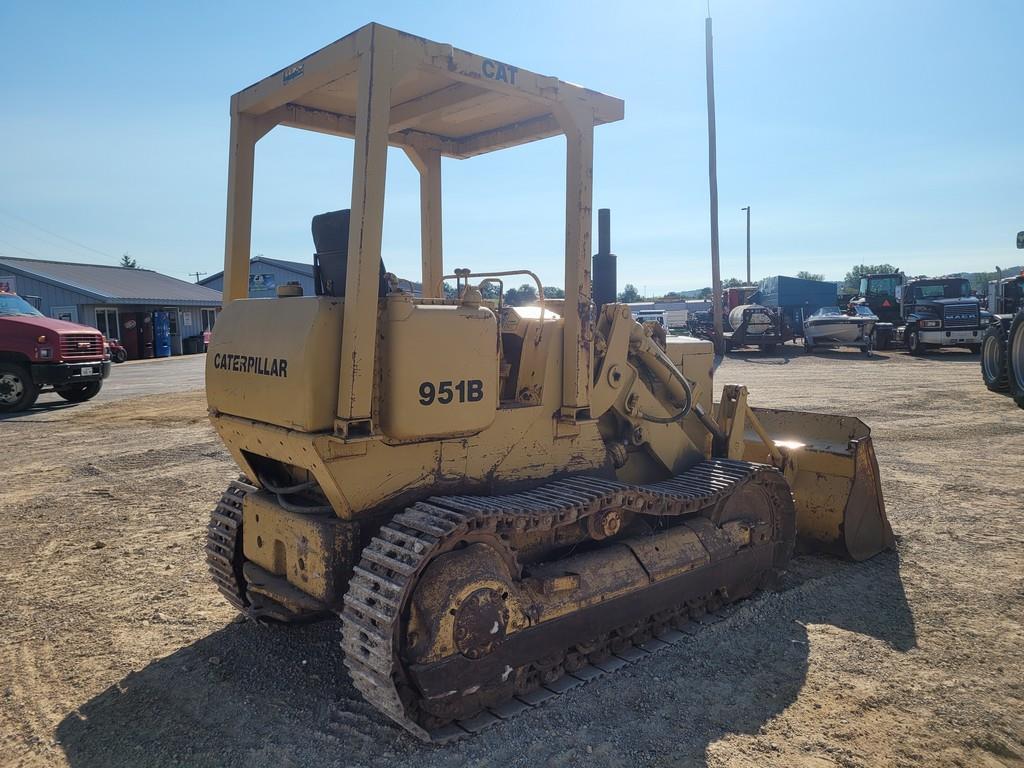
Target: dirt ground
{"x": 115, "y": 649}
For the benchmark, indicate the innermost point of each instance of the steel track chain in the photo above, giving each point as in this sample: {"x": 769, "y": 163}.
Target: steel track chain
{"x": 390, "y": 565}
{"x": 223, "y": 546}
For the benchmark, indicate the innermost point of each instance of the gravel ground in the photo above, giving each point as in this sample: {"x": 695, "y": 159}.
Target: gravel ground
{"x": 115, "y": 650}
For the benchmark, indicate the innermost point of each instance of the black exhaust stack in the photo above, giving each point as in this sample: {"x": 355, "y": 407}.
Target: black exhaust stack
{"x": 603, "y": 271}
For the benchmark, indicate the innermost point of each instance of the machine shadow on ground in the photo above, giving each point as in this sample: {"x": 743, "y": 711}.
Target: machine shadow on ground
{"x": 786, "y": 352}
{"x": 948, "y": 356}
{"x": 255, "y": 695}
{"x": 783, "y": 354}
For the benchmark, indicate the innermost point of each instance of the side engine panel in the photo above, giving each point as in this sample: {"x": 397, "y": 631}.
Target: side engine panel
{"x": 439, "y": 370}
{"x": 277, "y": 361}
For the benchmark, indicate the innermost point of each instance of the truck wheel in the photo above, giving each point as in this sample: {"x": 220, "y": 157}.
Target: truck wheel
{"x": 79, "y": 393}
{"x": 1015, "y": 358}
{"x": 993, "y": 359}
{"x": 17, "y": 389}
{"x": 119, "y": 356}
{"x": 914, "y": 345}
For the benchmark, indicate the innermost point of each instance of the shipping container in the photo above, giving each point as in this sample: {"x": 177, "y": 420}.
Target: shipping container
{"x": 796, "y": 297}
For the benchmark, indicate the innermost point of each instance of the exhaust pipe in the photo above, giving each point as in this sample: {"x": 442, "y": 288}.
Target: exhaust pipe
{"x": 605, "y": 288}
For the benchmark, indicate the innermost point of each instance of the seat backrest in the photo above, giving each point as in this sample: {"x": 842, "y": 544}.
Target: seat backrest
{"x": 330, "y": 262}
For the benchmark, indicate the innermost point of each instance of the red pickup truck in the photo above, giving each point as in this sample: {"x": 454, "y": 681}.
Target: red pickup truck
{"x": 38, "y": 353}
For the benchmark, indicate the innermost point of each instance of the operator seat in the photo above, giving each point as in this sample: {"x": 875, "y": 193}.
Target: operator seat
{"x": 330, "y": 262}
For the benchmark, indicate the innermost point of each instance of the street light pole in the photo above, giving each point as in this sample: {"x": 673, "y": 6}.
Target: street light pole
{"x": 747, "y": 209}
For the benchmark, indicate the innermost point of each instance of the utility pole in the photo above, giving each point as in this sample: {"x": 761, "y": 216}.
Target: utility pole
{"x": 747, "y": 209}
{"x": 200, "y": 274}
{"x": 716, "y": 278}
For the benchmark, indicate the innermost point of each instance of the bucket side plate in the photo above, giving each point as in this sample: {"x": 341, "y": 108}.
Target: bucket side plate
{"x": 833, "y": 471}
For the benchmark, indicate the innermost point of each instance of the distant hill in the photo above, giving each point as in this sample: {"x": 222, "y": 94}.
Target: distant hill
{"x": 980, "y": 279}
{"x": 1007, "y": 271}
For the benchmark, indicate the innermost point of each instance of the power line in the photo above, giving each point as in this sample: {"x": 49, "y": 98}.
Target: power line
{"x": 197, "y": 275}
{"x": 19, "y": 248}
{"x": 60, "y": 237}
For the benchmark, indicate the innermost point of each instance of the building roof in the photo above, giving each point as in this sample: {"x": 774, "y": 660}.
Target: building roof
{"x": 294, "y": 266}
{"x": 115, "y": 285}
{"x": 299, "y": 267}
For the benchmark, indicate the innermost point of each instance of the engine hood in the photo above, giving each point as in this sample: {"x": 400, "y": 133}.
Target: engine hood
{"x": 34, "y": 324}
{"x": 947, "y": 302}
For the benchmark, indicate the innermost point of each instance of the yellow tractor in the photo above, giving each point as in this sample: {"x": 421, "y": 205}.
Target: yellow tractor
{"x": 498, "y": 501}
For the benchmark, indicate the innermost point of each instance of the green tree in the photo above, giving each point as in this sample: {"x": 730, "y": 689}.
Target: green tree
{"x": 129, "y": 262}
{"x": 551, "y": 292}
{"x": 524, "y": 294}
{"x": 980, "y": 280}
{"x": 629, "y": 294}
{"x": 805, "y": 275}
{"x": 852, "y": 281}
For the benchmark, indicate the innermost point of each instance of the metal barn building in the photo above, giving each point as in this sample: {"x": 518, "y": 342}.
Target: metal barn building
{"x": 266, "y": 274}
{"x": 120, "y": 302}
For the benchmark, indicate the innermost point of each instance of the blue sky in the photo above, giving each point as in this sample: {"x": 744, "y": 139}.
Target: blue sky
{"x": 858, "y": 132}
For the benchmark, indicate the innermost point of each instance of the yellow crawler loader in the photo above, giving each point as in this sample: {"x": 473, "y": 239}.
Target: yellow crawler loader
{"x": 498, "y": 501}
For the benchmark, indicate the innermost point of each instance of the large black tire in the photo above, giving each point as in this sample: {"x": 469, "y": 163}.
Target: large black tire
{"x": 79, "y": 393}
{"x": 119, "y": 355}
{"x": 1015, "y": 358}
{"x": 914, "y": 345}
{"x": 993, "y": 359}
{"x": 17, "y": 389}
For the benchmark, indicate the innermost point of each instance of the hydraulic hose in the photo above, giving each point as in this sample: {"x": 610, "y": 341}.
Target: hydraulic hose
{"x": 663, "y": 369}
{"x": 280, "y": 491}
{"x": 301, "y": 509}
{"x": 297, "y": 488}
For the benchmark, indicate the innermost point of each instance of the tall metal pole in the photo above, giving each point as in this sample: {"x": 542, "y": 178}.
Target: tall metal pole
{"x": 716, "y": 278}
{"x": 747, "y": 209}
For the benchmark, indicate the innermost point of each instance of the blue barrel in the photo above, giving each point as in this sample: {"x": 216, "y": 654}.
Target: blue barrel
{"x": 161, "y": 334}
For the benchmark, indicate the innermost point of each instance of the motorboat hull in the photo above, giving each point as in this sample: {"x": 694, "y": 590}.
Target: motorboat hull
{"x": 838, "y": 330}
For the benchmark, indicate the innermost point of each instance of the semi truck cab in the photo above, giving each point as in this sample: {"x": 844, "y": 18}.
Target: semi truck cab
{"x": 941, "y": 312}
{"x": 1005, "y": 294}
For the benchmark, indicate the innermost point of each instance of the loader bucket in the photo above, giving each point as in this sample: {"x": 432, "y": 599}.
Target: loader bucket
{"x": 831, "y": 467}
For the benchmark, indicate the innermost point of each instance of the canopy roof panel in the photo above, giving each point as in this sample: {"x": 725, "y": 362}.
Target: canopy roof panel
{"x": 452, "y": 100}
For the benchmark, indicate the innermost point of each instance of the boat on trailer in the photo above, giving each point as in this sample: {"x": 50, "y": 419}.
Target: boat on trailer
{"x": 831, "y": 327}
